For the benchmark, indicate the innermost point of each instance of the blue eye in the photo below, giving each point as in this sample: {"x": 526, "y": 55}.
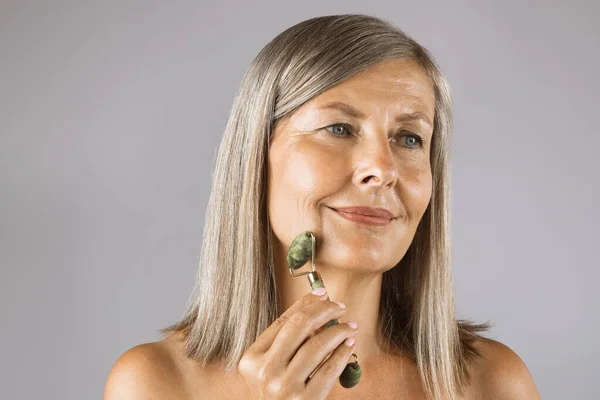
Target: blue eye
{"x": 418, "y": 140}
{"x": 338, "y": 125}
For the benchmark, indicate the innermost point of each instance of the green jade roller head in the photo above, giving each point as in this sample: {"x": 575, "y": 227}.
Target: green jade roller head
{"x": 301, "y": 250}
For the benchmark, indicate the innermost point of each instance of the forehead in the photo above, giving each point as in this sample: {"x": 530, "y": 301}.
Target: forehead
{"x": 394, "y": 87}
{"x": 395, "y": 83}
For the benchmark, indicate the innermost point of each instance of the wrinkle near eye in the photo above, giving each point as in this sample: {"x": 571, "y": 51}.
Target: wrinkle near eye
{"x": 307, "y": 120}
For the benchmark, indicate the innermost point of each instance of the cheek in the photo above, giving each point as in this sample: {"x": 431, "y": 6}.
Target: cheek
{"x": 416, "y": 183}
{"x": 298, "y": 181}
{"x": 303, "y": 172}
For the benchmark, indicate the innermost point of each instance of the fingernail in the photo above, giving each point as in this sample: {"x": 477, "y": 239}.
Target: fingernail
{"x": 342, "y": 305}
{"x": 352, "y": 324}
{"x": 349, "y": 342}
{"x": 319, "y": 291}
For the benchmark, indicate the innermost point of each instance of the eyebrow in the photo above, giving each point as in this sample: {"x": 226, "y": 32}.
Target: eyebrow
{"x": 353, "y": 112}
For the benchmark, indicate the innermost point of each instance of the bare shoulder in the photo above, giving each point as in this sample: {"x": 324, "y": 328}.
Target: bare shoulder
{"x": 500, "y": 374}
{"x": 146, "y": 371}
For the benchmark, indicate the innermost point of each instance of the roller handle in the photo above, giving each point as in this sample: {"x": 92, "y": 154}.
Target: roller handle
{"x": 352, "y": 372}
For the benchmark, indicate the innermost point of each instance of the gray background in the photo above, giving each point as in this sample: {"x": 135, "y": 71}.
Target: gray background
{"x": 111, "y": 112}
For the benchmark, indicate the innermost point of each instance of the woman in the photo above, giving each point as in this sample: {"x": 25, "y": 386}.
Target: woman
{"x": 338, "y": 117}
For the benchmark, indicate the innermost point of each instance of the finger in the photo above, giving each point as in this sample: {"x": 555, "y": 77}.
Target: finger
{"x": 299, "y": 326}
{"x": 315, "y": 351}
{"x": 323, "y": 380}
{"x": 266, "y": 339}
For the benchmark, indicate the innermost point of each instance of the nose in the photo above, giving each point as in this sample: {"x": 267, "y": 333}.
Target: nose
{"x": 376, "y": 164}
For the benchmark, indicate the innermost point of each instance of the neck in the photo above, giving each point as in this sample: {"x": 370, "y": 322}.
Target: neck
{"x": 359, "y": 291}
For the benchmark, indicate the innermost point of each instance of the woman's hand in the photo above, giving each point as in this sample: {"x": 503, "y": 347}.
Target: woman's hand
{"x": 279, "y": 363}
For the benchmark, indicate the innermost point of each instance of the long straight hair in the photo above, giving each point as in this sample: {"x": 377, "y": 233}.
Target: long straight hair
{"x": 234, "y": 299}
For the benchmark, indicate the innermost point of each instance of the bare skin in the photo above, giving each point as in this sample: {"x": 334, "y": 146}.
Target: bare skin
{"x": 377, "y": 162}
{"x": 315, "y": 166}
{"x": 160, "y": 371}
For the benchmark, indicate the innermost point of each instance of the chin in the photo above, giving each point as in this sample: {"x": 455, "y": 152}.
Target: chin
{"x": 351, "y": 257}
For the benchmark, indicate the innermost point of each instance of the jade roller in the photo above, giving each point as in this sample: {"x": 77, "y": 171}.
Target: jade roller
{"x": 301, "y": 249}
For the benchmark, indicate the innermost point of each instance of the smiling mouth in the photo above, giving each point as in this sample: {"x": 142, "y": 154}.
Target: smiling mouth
{"x": 363, "y": 219}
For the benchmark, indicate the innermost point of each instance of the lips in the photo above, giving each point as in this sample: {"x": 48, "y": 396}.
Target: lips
{"x": 366, "y": 211}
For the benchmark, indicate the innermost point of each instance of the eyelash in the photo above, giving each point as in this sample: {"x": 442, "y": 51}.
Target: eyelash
{"x": 418, "y": 137}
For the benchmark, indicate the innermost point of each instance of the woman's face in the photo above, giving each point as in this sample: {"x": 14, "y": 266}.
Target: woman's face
{"x": 322, "y": 158}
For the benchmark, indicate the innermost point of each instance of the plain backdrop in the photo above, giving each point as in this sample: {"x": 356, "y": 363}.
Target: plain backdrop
{"x": 111, "y": 113}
